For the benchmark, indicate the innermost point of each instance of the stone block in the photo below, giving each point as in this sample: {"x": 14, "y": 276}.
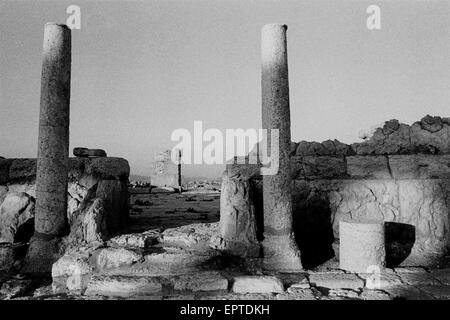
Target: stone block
{"x": 22, "y": 170}
{"x": 368, "y": 167}
{"x": 257, "y": 284}
{"x": 323, "y": 167}
{"x": 137, "y": 240}
{"x": 443, "y": 275}
{"x": 419, "y": 279}
{"x": 420, "y": 166}
{"x": 72, "y": 272}
{"x": 15, "y": 211}
{"x": 336, "y": 281}
{"x": 381, "y": 281}
{"x": 401, "y": 270}
{"x": 237, "y": 217}
{"x": 86, "y": 152}
{"x": 297, "y": 294}
{"x": 192, "y": 236}
{"x": 112, "y": 258}
{"x": 440, "y": 292}
{"x": 5, "y": 164}
{"x": 122, "y": 286}
{"x": 201, "y": 281}
{"x": 109, "y": 168}
{"x": 367, "y": 294}
{"x": 361, "y": 246}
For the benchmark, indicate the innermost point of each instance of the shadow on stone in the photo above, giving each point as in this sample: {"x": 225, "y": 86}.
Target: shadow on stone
{"x": 313, "y": 231}
{"x": 25, "y": 231}
{"x": 259, "y": 208}
{"x": 399, "y": 240}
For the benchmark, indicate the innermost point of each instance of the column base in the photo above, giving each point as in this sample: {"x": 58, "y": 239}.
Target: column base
{"x": 281, "y": 253}
{"x": 42, "y": 254}
{"x": 241, "y": 248}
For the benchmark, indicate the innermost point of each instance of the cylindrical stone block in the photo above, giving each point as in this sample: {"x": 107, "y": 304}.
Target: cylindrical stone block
{"x": 53, "y": 145}
{"x": 361, "y": 246}
{"x": 280, "y": 248}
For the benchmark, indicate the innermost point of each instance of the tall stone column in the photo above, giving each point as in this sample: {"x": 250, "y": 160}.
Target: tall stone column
{"x": 53, "y": 149}
{"x": 279, "y": 246}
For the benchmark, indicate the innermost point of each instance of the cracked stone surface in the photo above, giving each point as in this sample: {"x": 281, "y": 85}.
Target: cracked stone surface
{"x": 437, "y": 291}
{"x": 204, "y": 281}
{"x": 257, "y": 284}
{"x": 121, "y": 286}
{"x": 443, "y": 275}
{"x": 336, "y": 280}
{"x": 385, "y": 280}
{"x": 419, "y": 279}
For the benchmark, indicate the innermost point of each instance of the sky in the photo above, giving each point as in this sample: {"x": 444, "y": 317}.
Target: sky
{"x": 141, "y": 69}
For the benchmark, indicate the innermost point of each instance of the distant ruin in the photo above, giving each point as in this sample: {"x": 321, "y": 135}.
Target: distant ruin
{"x": 166, "y": 173}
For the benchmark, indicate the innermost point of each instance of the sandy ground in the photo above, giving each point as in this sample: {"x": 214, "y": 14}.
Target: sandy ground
{"x": 168, "y": 210}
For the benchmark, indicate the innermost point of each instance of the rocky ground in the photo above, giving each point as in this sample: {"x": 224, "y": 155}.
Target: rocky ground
{"x": 165, "y": 256}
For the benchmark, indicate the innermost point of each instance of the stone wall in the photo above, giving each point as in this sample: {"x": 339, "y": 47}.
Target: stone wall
{"x": 97, "y": 199}
{"x": 332, "y": 181}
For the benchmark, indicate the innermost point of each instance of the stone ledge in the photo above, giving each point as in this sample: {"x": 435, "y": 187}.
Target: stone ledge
{"x": 420, "y": 166}
{"x": 201, "y": 281}
{"x": 358, "y": 167}
{"x": 368, "y": 167}
{"x": 106, "y": 168}
{"x": 326, "y": 167}
{"x": 336, "y": 281}
{"x": 257, "y": 284}
{"x": 122, "y": 286}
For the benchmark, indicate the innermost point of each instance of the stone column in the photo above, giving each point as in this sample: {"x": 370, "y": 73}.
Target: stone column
{"x": 53, "y": 148}
{"x": 361, "y": 246}
{"x": 180, "y": 187}
{"x": 279, "y": 246}
{"x": 237, "y": 216}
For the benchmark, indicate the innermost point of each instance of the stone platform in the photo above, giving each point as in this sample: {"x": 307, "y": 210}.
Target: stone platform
{"x": 152, "y": 265}
{"x": 409, "y": 193}
{"x": 97, "y": 199}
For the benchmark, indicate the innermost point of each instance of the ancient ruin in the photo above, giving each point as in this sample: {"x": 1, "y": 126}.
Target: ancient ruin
{"x": 280, "y": 249}
{"x": 53, "y": 148}
{"x": 166, "y": 173}
{"x": 361, "y": 246}
{"x": 405, "y": 188}
{"x": 331, "y": 216}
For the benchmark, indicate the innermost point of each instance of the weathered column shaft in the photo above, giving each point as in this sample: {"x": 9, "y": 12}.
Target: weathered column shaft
{"x": 237, "y": 216}
{"x": 53, "y": 152}
{"x": 53, "y": 145}
{"x": 280, "y": 249}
